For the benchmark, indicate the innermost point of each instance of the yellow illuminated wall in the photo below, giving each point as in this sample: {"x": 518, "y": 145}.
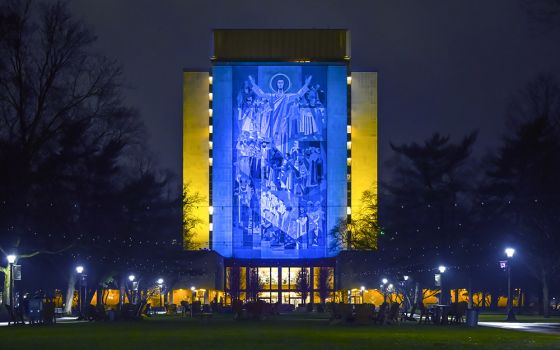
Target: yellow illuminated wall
{"x": 363, "y": 132}
{"x": 110, "y": 297}
{"x": 196, "y": 99}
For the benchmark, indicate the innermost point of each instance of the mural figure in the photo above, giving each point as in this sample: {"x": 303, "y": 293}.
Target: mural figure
{"x": 279, "y": 145}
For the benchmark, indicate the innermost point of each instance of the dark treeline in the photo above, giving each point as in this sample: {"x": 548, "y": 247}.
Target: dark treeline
{"x": 444, "y": 206}
{"x": 77, "y": 184}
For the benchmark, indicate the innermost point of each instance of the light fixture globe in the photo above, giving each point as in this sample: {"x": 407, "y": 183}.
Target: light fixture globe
{"x": 384, "y": 281}
{"x": 11, "y": 258}
{"x": 79, "y": 269}
{"x": 510, "y": 252}
{"x": 160, "y": 281}
{"x": 131, "y": 278}
{"x": 442, "y": 269}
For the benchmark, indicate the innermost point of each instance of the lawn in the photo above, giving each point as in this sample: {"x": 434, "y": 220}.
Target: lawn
{"x": 293, "y": 332}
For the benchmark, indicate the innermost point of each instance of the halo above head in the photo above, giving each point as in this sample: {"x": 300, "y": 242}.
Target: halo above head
{"x": 279, "y": 76}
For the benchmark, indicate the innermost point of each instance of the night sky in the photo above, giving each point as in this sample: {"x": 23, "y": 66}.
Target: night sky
{"x": 446, "y": 66}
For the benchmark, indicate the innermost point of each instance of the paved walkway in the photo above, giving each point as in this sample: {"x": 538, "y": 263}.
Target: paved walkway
{"x": 548, "y": 328}
{"x": 58, "y": 320}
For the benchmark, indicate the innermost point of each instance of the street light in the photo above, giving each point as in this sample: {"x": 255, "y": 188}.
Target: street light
{"x": 160, "y": 284}
{"x": 442, "y": 269}
{"x": 510, "y": 252}
{"x": 133, "y": 288}
{"x": 403, "y": 283}
{"x": 193, "y": 293}
{"x": 81, "y": 295}
{"x": 510, "y": 314}
{"x": 11, "y": 260}
{"x": 384, "y": 282}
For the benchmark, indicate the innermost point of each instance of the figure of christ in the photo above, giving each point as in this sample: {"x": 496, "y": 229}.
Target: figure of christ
{"x": 281, "y": 108}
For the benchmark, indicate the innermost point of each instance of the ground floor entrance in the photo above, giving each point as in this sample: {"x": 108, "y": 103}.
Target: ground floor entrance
{"x": 293, "y": 282}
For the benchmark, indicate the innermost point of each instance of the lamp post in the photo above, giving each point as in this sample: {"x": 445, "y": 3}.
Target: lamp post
{"x": 406, "y": 300}
{"x": 160, "y": 284}
{"x": 384, "y": 282}
{"x": 442, "y": 269}
{"x": 391, "y": 290}
{"x": 131, "y": 278}
{"x": 510, "y": 313}
{"x": 83, "y": 286}
{"x": 11, "y": 260}
{"x": 193, "y": 293}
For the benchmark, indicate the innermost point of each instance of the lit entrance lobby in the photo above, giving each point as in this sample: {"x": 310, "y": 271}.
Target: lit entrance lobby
{"x": 287, "y": 282}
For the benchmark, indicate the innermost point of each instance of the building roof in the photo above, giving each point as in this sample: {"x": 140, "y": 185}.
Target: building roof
{"x": 281, "y": 45}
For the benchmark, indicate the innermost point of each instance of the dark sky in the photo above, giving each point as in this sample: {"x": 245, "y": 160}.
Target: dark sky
{"x": 445, "y": 66}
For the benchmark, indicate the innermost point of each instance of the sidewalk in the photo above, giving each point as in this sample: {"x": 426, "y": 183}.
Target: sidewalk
{"x": 64, "y": 320}
{"x": 546, "y": 328}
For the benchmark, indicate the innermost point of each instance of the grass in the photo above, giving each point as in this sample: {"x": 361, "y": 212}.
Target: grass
{"x": 286, "y": 332}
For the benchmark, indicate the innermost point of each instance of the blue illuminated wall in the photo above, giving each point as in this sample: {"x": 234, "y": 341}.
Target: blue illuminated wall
{"x": 279, "y": 158}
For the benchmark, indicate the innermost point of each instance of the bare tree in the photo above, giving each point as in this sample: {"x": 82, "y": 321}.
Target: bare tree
{"x": 234, "y": 282}
{"x": 191, "y": 221}
{"x": 303, "y": 284}
{"x": 362, "y": 231}
{"x": 63, "y": 127}
{"x": 325, "y": 281}
{"x": 255, "y": 285}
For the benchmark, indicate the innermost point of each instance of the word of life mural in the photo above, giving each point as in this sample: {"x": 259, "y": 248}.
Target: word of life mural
{"x": 279, "y": 160}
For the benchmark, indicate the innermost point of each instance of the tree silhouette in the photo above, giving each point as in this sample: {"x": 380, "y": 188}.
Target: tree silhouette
{"x": 362, "y": 231}
{"x": 255, "y": 285}
{"x": 303, "y": 284}
{"x": 191, "y": 201}
{"x": 234, "y": 282}
{"x": 71, "y": 150}
{"x": 429, "y": 196}
{"x": 523, "y": 179}
{"x": 324, "y": 283}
